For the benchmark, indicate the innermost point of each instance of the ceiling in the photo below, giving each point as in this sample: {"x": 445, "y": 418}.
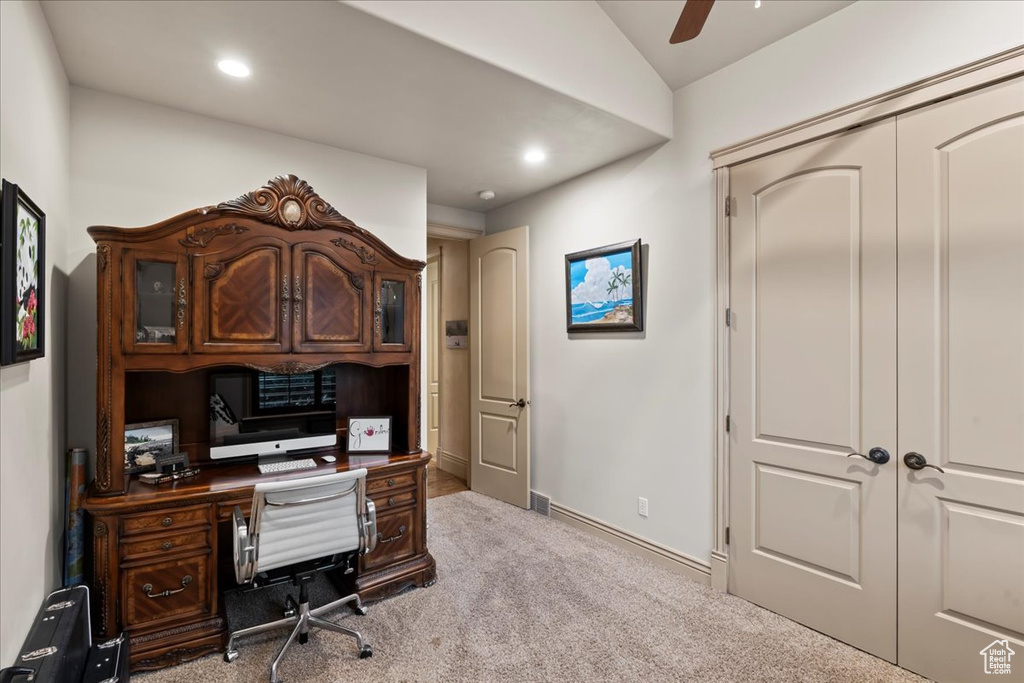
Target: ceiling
{"x": 734, "y": 29}
{"x": 330, "y": 73}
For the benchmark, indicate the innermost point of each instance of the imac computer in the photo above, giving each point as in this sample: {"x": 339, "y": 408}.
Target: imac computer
{"x": 261, "y": 414}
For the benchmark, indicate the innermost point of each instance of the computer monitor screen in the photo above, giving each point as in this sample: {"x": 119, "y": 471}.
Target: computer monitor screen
{"x": 260, "y": 413}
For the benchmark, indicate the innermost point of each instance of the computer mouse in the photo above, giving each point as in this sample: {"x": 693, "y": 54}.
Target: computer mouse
{"x": 328, "y": 458}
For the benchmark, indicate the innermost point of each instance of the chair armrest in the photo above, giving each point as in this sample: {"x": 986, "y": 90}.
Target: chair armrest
{"x": 244, "y": 551}
{"x": 370, "y": 527}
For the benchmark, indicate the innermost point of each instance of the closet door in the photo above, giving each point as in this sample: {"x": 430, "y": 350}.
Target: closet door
{"x": 961, "y": 384}
{"x": 812, "y": 381}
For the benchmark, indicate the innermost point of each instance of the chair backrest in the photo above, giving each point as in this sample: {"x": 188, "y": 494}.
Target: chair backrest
{"x": 297, "y": 520}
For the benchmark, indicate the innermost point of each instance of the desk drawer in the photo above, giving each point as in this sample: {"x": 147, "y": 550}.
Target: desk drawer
{"x": 173, "y": 518}
{"x": 395, "y": 539}
{"x": 163, "y": 590}
{"x": 385, "y": 500}
{"x": 160, "y": 545}
{"x": 387, "y": 483}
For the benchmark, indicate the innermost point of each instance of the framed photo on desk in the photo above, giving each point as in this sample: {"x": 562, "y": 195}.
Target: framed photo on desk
{"x": 369, "y": 435}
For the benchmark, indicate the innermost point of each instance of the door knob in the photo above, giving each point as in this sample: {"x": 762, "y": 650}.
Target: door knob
{"x": 916, "y": 461}
{"x": 877, "y": 455}
{"x": 521, "y": 403}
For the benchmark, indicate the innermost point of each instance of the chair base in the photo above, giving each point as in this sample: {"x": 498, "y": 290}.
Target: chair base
{"x": 300, "y": 624}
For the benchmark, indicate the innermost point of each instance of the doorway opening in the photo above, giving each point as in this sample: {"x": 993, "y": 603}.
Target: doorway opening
{"x": 447, "y": 365}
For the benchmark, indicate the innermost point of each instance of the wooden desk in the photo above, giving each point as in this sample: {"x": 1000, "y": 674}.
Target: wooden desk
{"x": 150, "y": 539}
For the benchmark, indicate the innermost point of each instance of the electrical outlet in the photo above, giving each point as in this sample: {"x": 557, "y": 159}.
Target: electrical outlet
{"x": 642, "y": 507}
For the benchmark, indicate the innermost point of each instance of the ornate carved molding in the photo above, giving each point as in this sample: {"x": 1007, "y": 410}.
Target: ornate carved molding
{"x": 173, "y": 657}
{"x": 99, "y": 577}
{"x": 204, "y": 236}
{"x": 104, "y": 371}
{"x": 215, "y": 623}
{"x": 290, "y": 203}
{"x": 365, "y": 255}
{"x": 212, "y": 270}
{"x": 291, "y": 367}
{"x": 102, "y": 256}
{"x": 357, "y": 280}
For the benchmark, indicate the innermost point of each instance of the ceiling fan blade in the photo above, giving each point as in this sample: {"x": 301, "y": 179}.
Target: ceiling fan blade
{"x": 691, "y": 20}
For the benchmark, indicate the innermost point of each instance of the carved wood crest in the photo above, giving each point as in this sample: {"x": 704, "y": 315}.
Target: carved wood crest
{"x": 290, "y": 203}
{"x": 202, "y": 237}
{"x": 365, "y": 255}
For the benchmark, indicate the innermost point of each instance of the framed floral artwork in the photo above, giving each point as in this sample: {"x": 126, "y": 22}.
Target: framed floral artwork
{"x": 22, "y": 276}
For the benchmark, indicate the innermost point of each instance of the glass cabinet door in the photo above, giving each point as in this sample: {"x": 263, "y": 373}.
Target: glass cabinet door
{"x": 156, "y": 301}
{"x": 393, "y": 313}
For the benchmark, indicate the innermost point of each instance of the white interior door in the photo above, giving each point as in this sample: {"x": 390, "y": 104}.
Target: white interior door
{"x": 812, "y": 380}
{"x": 433, "y": 356}
{"x": 500, "y": 366}
{"x": 961, "y": 383}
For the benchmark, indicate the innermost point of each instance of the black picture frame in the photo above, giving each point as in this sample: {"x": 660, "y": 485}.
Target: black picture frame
{"x": 134, "y": 463}
{"x": 17, "y": 308}
{"x": 614, "y": 314}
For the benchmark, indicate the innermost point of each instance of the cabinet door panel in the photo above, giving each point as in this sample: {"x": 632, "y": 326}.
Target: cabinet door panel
{"x": 243, "y": 299}
{"x": 332, "y": 301}
{"x": 396, "y": 311}
{"x": 155, "y": 302}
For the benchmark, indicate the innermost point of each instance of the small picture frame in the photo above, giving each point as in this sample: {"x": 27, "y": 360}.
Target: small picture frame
{"x": 22, "y": 277}
{"x": 144, "y": 442}
{"x": 369, "y": 434}
{"x": 604, "y": 289}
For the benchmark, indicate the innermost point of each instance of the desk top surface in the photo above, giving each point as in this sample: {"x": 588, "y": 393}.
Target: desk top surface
{"x": 228, "y": 481}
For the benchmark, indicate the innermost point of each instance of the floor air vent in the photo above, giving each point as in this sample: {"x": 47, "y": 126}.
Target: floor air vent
{"x": 540, "y": 503}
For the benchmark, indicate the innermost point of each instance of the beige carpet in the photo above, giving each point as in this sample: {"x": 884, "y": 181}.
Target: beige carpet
{"x": 520, "y": 597}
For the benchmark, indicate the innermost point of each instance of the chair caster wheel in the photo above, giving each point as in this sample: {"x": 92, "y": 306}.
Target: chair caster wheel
{"x": 289, "y": 613}
{"x": 303, "y": 638}
{"x": 365, "y": 651}
{"x": 230, "y": 656}
{"x": 361, "y": 610}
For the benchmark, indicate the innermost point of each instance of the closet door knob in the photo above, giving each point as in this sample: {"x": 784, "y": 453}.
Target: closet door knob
{"x": 877, "y": 455}
{"x": 916, "y": 461}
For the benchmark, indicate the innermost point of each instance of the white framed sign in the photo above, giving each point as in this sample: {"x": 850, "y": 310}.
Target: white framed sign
{"x": 369, "y": 435}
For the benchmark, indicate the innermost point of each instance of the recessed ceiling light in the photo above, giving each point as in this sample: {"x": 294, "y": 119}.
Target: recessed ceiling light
{"x": 535, "y": 156}
{"x": 486, "y": 194}
{"x": 233, "y": 67}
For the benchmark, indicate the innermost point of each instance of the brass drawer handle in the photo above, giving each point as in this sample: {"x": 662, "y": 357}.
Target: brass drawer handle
{"x": 167, "y": 545}
{"x": 148, "y": 588}
{"x": 389, "y": 539}
{"x": 391, "y": 482}
{"x": 167, "y": 521}
{"x": 391, "y": 500}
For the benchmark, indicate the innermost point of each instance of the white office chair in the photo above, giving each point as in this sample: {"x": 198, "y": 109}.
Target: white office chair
{"x": 297, "y": 529}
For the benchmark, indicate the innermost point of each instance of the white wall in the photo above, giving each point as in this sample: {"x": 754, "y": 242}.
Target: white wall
{"x": 572, "y": 47}
{"x": 133, "y": 164}
{"x": 33, "y": 154}
{"x": 616, "y": 417}
{"x": 456, "y": 218}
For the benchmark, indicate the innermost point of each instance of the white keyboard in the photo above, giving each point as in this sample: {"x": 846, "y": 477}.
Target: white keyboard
{"x": 286, "y": 466}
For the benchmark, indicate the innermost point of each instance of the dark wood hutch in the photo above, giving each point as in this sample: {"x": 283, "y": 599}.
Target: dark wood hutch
{"x": 276, "y": 281}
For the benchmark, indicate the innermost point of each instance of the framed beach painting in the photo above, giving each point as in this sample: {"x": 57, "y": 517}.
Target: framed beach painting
{"x": 603, "y": 289}
{"x": 22, "y": 277}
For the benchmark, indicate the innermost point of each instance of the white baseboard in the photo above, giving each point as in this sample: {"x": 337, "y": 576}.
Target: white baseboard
{"x": 453, "y": 464}
{"x": 690, "y": 567}
{"x": 719, "y": 571}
